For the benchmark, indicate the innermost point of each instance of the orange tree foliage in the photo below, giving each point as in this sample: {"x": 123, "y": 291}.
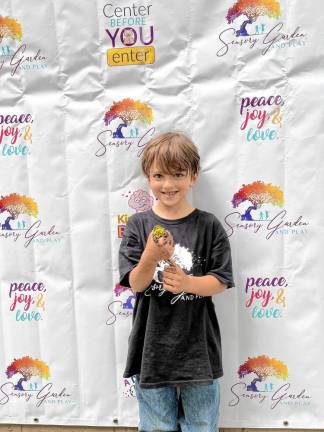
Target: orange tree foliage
{"x": 28, "y": 367}
{"x": 129, "y": 110}
{"x": 18, "y": 204}
{"x": 259, "y": 193}
{"x": 252, "y": 9}
{"x": 264, "y": 367}
{"x": 10, "y": 28}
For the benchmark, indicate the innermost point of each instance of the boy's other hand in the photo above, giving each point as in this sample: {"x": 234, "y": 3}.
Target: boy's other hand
{"x": 162, "y": 249}
{"x": 175, "y": 279}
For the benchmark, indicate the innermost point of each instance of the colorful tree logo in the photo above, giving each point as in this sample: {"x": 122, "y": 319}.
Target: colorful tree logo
{"x": 258, "y": 193}
{"x": 263, "y": 367}
{"x": 128, "y": 110}
{"x": 17, "y": 204}
{"x": 10, "y": 28}
{"x": 27, "y": 367}
{"x": 252, "y": 9}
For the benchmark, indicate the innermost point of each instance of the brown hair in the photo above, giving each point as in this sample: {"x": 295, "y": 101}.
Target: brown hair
{"x": 171, "y": 151}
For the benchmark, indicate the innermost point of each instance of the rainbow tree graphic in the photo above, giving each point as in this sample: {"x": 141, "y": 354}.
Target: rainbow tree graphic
{"x": 28, "y": 368}
{"x": 263, "y": 367}
{"x": 17, "y": 204}
{"x": 10, "y": 28}
{"x": 258, "y": 193}
{"x": 252, "y": 9}
{"x": 128, "y": 110}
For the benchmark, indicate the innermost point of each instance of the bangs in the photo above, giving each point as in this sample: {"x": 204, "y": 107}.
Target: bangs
{"x": 169, "y": 160}
{"x": 170, "y": 153}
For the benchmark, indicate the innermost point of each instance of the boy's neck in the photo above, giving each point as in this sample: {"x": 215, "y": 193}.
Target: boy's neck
{"x": 172, "y": 213}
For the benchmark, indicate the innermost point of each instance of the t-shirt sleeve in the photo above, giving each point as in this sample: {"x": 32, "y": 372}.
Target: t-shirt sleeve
{"x": 220, "y": 262}
{"x": 130, "y": 251}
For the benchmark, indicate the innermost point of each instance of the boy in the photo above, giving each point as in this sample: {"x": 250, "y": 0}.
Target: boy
{"x": 174, "y": 257}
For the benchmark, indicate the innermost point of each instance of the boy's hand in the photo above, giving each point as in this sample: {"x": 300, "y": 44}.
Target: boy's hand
{"x": 159, "y": 249}
{"x": 175, "y": 279}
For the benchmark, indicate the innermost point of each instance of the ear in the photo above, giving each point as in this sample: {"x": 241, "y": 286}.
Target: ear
{"x": 193, "y": 180}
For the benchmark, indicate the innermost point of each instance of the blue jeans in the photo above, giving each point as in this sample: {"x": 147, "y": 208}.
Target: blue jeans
{"x": 192, "y": 408}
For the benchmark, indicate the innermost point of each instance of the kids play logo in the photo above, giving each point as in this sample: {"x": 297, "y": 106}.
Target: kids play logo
{"x": 255, "y": 23}
{"x": 19, "y": 211}
{"x": 27, "y": 385}
{"x": 262, "y": 382}
{"x": 261, "y": 117}
{"x": 122, "y": 306}
{"x": 15, "y": 134}
{"x": 130, "y": 34}
{"x": 126, "y": 120}
{"x": 258, "y": 202}
{"x": 13, "y": 55}
{"x": 140, "y": 201}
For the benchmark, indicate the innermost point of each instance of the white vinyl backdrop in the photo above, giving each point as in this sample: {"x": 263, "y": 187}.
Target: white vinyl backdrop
{"x": 72, "y": 75}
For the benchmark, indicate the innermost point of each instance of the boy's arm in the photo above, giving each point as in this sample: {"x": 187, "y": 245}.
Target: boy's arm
{"x": 141, "y": 275}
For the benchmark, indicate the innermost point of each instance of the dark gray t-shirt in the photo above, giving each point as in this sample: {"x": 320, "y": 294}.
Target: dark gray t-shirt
{"x": 175, "y": 338}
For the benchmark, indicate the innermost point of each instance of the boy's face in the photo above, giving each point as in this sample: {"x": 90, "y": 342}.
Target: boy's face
{"x": 170, "y": 189}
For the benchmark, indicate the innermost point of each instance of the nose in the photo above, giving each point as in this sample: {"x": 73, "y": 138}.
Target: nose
{"x": 168, "y": 182}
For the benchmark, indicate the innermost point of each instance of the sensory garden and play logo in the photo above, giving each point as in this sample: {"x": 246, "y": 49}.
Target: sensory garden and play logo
{"x": 13, "y": 55}
{"x": 264, "y": 380}
{"x": 28, "y": 369}
{"x": 19, "y": 211}
{"x": 251, "y": 10}
{"x": 126, "y": 124}
{"x": 27, "y": 385}
{"x": 122, "y": 306}
{"x": 256, "y": 24}
{"x": 258, "y": 202}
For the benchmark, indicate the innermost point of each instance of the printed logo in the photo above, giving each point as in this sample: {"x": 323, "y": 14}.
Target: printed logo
{"x": 28, "y": 384}
{"x": 129, "y": 34}
{"x": 266, "y": 297}
{"x": 262, "y": 199}
{"x": 126, "y": 119}
{"x": 261, "y": 118}
{"x": 10, "y": 29}
{"x": 252, "y": 10}
{"x": 27, "y": 300}
{"x": 15, "y": 227}
{"x": 15, "y": 140}
{"x": 140, "y": 201}
{"x": 129, "y": 387}
{"x": 182, "y": 257}
{"x": 16, "y": 58}
{"x": 123, "y": 306}
{"x": 253, "y": 27}
{"x": 29, "y": 369}
{"x": 263, "y": 384}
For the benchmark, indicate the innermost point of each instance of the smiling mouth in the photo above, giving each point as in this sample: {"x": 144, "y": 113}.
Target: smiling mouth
{"x": 169, "y": 193}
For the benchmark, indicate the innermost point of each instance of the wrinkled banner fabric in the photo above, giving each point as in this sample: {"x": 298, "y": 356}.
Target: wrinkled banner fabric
{"x": 84, "y": 85}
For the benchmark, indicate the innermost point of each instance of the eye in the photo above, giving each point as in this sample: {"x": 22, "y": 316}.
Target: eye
{"x": 179, "y": 175}
{"x": 157, "y": 176}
